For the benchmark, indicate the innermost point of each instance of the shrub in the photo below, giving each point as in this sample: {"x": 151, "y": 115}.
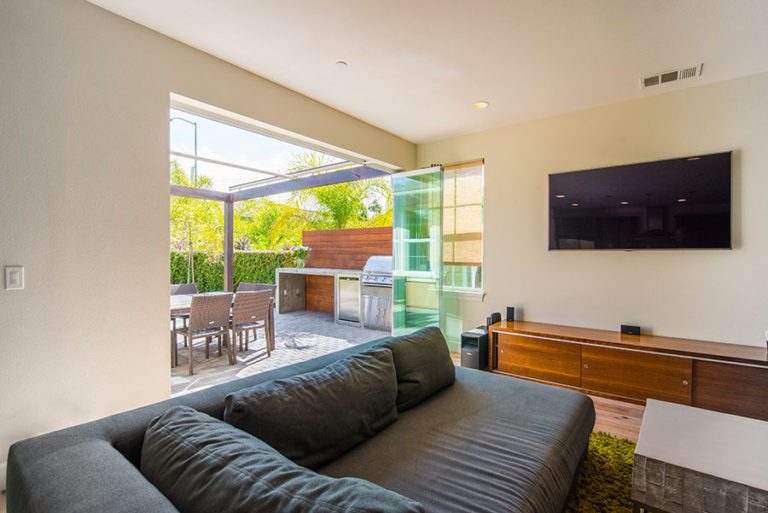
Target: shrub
{"x": 249, "y": 266}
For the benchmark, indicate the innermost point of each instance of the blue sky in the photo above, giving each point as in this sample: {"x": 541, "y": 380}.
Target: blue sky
{"x": 228, "y": 143}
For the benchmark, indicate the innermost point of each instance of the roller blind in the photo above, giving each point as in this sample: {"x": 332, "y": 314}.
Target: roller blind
{"x": 463, "y": 214}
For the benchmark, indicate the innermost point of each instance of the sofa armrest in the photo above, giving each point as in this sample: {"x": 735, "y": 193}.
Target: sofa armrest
{"x": 78, "y": 474}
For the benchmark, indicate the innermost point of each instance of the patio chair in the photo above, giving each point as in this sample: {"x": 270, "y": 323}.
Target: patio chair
{"x": 208, "y": 318}
{"x": 250, "y": 312}
{"x": 251, "y": 287}
{"x": 255, "y": 287}
{"x": 180, "y": 289}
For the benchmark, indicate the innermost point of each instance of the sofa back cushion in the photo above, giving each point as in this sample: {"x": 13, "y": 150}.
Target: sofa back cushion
{"x": 423, "y": 364}
{"x": 316, "y": 417}
{"x": 203, "y": 464}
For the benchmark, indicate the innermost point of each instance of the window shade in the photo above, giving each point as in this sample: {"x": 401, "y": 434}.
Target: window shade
{"x": 463, "y": 213}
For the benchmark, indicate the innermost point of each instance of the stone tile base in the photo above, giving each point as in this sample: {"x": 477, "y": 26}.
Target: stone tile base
{"x": 674, "y": 489}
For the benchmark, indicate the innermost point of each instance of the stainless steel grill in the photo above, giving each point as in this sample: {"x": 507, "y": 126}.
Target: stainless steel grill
{"x": 378, "y": 271}
{"x": 377, "y": 293}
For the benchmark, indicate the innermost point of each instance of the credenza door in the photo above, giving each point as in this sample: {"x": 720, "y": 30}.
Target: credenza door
{"x": 636, "y": 375}
{"x": 548, "y": 360}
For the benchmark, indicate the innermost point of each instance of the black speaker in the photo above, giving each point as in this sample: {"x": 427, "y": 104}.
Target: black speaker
{"x": 474, "y": 348}
{"x": 510, "y": 314}
{"x": 492, "y": 319}
{"x": 628, "y": 329}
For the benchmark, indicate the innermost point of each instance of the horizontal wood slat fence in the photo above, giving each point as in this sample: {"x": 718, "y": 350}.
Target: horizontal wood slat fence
{"x": 346, "y": 249}
{"x": 340, "y": 249}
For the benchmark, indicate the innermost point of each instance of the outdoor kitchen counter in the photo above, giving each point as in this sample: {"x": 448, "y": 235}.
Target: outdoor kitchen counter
{"x": 316, "y": 271}
{"x": 297, "y": 291}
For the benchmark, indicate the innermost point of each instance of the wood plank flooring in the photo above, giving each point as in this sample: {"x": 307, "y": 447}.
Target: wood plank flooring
{"x": 618, "y": 418}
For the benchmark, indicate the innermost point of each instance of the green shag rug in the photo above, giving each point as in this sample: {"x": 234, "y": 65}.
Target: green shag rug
{"x": 605, "y": 482}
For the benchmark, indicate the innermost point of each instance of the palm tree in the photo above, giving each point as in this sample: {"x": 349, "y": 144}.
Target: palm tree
{"x": 342, "y": 205}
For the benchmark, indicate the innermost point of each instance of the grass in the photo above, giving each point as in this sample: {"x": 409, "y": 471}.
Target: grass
{"x": 605, "y": 482}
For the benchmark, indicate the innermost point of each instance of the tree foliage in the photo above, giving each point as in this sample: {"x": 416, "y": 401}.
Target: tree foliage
{"x": 274, "y": 223}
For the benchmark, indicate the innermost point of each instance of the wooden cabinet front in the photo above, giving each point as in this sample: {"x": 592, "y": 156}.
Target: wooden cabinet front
{"x": 729, "y": 388}
{"x": 548, "y": 360}
{"x": 636, "y": 375}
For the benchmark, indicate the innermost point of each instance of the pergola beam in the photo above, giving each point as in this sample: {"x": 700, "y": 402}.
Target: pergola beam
{"x": 225, "y": 163}
{"x": 206, "y": 194}
{"x": 345, "y": 175}
{"x": 228, "y": 199}
{"x": 292, "y": 175}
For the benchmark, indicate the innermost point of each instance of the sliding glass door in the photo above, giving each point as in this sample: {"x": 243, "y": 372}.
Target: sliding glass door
{"x": 417, "y": 249}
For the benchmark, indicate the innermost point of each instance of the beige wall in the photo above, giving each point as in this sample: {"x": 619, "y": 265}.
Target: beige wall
{"x": 715, "y": 295}
{"x": 84, "y": 202}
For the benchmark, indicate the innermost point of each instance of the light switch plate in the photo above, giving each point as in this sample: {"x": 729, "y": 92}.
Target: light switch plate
{"x": 14, "y": 277}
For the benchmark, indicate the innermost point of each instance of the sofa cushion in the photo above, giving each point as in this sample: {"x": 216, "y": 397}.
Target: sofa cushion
{"x": 203, "y": 464}
{"x": 316, "y": 417}
{"x": 423, "y": 365}
{"x": 486, "y": 444}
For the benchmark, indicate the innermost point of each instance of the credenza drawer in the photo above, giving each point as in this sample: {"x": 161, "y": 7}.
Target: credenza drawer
{"x": 548, "y": 360}
{"x": 636, "y": 375}
{"x": 729, "y": 388}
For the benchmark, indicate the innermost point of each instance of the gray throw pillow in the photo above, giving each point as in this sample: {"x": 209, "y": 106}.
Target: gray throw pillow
{"x": 314, "y": 418}
{"x": 423, "y": 364}
{"x": 203, "y": 464}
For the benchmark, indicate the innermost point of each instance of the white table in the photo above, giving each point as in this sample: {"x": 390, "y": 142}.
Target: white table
{"x": 690, "y": 459}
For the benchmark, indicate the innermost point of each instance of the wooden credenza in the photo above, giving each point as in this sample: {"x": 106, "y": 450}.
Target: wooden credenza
{"x": 722, "y": 377}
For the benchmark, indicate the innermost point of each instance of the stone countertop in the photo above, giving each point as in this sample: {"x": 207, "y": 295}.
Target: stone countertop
{"x": 317, "y": 271}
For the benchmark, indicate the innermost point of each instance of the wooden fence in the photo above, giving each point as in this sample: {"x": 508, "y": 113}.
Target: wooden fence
{"x": 340, "y": 249}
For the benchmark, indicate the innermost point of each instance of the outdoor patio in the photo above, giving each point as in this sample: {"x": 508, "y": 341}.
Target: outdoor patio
{"x": 299, "y": 336}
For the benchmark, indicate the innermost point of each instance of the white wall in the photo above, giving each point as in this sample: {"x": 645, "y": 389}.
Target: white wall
{"x": 84, "y": 99}
{"x": 711, "y": 295}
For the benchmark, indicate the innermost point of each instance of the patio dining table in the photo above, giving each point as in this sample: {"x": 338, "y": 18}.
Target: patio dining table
{"x": 181, "y": 304}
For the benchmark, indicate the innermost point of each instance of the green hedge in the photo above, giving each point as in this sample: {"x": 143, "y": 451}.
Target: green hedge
{"x": 249, "y": 266}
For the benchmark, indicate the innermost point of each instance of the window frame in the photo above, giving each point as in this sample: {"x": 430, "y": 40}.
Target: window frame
{"x": 470, "y": 293}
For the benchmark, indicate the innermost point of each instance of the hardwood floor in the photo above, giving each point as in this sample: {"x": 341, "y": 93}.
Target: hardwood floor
{"x": 618, "y": 418}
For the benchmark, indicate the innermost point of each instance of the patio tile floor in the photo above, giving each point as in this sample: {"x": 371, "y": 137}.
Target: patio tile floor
{"x": 299, "y": 336}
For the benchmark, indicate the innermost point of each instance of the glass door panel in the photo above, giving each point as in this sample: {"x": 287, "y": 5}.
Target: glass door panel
{"x": 417, "y": 249}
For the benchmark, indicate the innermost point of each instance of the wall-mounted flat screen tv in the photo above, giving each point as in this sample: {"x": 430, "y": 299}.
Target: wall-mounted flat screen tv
{"x": 682, "y": 203}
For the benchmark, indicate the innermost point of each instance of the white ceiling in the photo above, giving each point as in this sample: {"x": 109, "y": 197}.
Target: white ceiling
{"x": 416, "y": 65}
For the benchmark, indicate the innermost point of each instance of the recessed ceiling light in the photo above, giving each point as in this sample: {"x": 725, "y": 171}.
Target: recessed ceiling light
{"x": 694, "y": 158}
{"x": 682, "y": 200}
{"x": 480, "y": 105}
{"x": 574, "y": 204}
{"x": 342, "y": 64}
{"x": 560, "y": 196}
{"x": 625, "y": 202}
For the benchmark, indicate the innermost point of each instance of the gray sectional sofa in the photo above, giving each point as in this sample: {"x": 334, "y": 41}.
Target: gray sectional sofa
{"x": 484, "y": 444}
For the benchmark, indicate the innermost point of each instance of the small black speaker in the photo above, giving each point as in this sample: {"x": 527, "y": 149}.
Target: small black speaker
{"x": 510, "y": 314}
{"x": 493, "y": 319}
{"x": 628, "y": 329}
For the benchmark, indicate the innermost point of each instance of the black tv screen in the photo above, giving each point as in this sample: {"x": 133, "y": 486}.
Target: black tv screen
{"x": 682, "y": 203}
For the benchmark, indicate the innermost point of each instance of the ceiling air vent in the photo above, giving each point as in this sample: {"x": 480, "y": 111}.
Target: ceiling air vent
{"x": 671, "y": 76}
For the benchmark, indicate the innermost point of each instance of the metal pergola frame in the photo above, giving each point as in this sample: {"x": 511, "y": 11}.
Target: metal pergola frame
{"x": 294, "y": 182}
{"x": 351, "y": 167}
